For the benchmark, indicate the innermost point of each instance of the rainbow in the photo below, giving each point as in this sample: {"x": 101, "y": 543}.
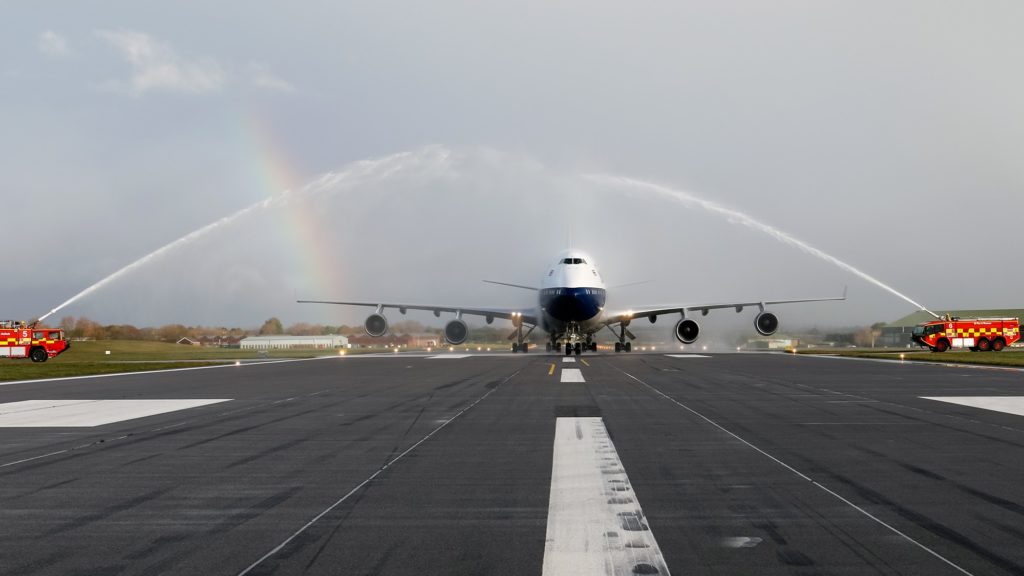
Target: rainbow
{"x": 303, "y": 226}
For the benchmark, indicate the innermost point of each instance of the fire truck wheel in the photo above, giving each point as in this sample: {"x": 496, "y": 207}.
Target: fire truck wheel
{"x": 998, "y": 345}
{"x": 38, "y": 355}
{"x": 942, "y": 346}
{"x": 984, "y": 345}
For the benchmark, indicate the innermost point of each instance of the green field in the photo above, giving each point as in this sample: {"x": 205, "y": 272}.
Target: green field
{"x": 1007, "y": 357}
{"x": 85, "y": 358}
{"x": 11, "y": 370}
{"x": 138, "y": 351}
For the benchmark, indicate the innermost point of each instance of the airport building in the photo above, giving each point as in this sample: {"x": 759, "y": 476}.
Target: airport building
{"x": 897, "y": 334}
{"x": 286, "y": 342}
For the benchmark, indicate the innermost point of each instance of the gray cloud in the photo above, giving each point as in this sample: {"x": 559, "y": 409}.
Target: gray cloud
{"x": 156, "y": 67}
{"x": 53, "y": 44}
{"x": 261, "y": 76}
{"x": 869, "y": 132}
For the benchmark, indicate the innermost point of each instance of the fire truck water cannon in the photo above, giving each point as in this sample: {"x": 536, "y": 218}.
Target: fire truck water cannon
{"x": 974, "y": 334}
{"x": 19, "y": 339}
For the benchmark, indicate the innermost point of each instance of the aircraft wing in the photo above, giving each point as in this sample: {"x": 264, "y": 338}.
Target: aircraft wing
{"x": 653, "y": 311}
{"x": 505, "y": 313}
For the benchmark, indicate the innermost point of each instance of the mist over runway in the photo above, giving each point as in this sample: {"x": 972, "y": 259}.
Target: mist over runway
{"x": 406, "y": 464}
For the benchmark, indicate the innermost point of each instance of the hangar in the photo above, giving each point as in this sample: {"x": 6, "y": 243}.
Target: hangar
{"x": 286, "y": 342}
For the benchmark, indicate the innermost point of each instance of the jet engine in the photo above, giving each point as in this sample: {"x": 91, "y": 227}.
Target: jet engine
{"x": 687, "y": 331}
{"x": 456, "y": 331}
{"x": 766, "y": 323}
{"x": 376, "y": 325}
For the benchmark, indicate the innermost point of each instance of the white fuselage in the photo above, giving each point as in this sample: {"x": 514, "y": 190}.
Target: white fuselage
{"x": 571, "y": 299}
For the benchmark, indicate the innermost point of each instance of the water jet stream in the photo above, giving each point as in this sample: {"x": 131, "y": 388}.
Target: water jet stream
{"x": 332, "y": 182}
{"x": 736, "y": 217}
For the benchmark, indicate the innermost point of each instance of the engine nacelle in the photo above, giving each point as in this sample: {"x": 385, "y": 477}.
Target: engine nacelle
{"x": 687, "y": 331}
{"x": 456, "y": 332}
{"x": 376, "y": 325}
{"x": 766, "y": 323}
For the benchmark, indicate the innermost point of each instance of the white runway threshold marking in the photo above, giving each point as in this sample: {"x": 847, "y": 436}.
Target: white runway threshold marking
{"x": 568, "y": 359}
{"x": 1005, "y": 404}
{"x": 572, "y": 375}
{"x": 595, "y": 524}
{"x": 88, "y": 413}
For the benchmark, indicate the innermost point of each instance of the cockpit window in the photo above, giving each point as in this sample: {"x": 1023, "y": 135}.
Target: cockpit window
{"x": 574, "y": 261}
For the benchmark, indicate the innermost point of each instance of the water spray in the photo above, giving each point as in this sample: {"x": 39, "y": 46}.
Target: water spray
{"x": 435, "y": 157}
{"x": 736, "y": 217}
{"x": 356, "y": 173}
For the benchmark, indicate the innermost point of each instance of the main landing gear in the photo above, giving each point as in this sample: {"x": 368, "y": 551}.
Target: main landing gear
{"x": 520, "y": 344}
{"x": 623, "y": 345}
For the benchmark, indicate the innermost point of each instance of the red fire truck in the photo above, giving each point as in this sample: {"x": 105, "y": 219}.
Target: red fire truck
{"x": 975, "y": 334}
{"x": 22, "y": 340}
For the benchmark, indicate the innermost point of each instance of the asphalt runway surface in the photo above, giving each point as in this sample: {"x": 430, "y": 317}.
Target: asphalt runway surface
{"x": 726, "y": 464}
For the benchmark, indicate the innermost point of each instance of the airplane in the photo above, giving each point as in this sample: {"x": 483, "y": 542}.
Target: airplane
{"x": 571, "y": 309}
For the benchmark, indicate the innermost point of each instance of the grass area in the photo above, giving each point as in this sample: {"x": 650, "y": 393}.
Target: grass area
{"x": 11, "y": 370}
{"x": 87, "y": 358}
{"x": 1008, "y": 357}
{"x": 135, "y": 351}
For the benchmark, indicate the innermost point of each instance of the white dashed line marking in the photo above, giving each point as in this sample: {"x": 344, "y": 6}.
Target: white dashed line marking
{"x": 595, "y": 523}
{"x": 572, "y": 375}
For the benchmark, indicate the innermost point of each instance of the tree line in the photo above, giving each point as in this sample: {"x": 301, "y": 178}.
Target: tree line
{"x": 86, "y": 328}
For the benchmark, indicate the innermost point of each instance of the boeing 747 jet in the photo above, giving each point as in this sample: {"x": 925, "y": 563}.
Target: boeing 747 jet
{"x": 571, "y": 310}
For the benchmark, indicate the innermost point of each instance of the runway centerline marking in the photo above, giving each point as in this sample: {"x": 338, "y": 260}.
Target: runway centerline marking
{"x": 687, "y": 356}
{"x": 595, "y": 523}
{"x": 568, "y": 359}
{"x": 371, "y": 478}
{"x": 813, "y": 482}
{"x": 572, "y": 375}
{"x": 1005, "y": 404}
{"x": 448, "y": 356}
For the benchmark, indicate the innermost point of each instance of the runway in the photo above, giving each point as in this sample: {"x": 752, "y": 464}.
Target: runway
{"x": 518, "y": 464}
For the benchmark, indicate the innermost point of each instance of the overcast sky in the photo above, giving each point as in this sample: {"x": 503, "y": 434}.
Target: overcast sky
{"x": 889, "y": 134}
